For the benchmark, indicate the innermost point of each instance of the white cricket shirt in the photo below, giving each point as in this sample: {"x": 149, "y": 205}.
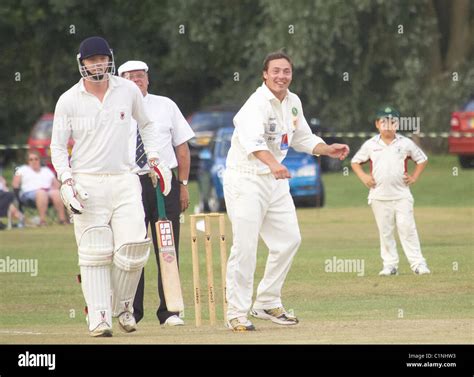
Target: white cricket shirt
{"x": 100, "y": 130}
{"x": 265, "y": 123}
{"x": 388, "y": 164}
{"x": 172, "y": 128}
{"x": 34, "y": 180}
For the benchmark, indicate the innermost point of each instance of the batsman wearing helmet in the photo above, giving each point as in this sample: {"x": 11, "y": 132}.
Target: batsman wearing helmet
{"x": 98, "y": 186}
{"x": 257, "y": 193}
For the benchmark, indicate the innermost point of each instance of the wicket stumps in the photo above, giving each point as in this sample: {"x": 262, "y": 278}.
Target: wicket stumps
{"x": 210, "y": 276}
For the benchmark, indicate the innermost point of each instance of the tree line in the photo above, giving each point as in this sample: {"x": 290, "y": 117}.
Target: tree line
{"x": 350, "y": 57}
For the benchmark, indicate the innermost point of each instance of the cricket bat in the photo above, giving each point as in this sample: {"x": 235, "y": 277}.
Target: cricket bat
{"x": 167, "y": 254}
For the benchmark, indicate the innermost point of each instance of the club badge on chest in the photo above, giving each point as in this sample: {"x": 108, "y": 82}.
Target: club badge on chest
{"x": 294, "y": 113}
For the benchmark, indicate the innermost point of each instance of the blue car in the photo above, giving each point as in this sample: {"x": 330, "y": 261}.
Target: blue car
{"x": 306, "y": 185}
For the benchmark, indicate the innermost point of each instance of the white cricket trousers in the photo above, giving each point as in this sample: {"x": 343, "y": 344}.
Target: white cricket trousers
{"x": 114, "y": 199}
{"x": 258, "y": 205}
{"x": 397, "y": 213}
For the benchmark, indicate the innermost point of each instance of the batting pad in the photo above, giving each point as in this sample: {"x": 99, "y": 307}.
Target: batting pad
{"x": 128, "y": 262}
{"x": 96, "y": 246}
{"x": 95, "y": 282}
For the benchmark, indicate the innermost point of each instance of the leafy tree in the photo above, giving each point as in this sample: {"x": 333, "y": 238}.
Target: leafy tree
{"x": 350, "y": 56}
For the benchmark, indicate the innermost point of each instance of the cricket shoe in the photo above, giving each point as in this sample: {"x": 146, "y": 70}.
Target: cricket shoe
{"x": 240, "y": 324}
{"x": 387, "y": 271}
{"x": 127, "y": 322}
{"x": 103, "y": 329}
{"x": 174, "y": 320}
{"x": 422, "y": 269}
{"x": 278, "y": 315}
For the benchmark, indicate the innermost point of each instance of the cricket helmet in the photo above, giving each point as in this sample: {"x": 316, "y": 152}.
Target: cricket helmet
{"x": 91, "y": 47}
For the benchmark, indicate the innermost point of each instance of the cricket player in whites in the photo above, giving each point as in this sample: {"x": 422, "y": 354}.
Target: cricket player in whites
{"x": 98, "y": 186}
{"x": 257, "y": 193}
{"x": 390, "y": 196}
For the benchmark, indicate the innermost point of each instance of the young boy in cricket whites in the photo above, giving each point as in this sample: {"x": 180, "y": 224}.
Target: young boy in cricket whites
{"x": 389, "y": 195}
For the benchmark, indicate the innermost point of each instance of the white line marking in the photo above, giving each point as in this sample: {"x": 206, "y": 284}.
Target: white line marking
{"x": 20, "y": 332}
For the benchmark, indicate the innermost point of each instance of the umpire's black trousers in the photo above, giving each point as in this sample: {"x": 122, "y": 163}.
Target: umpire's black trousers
{"x": 173, "y": 210}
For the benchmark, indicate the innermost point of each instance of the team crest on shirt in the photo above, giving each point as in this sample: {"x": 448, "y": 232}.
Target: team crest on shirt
{"x": 294, "y": 111}
{"x": 122, "y": 115}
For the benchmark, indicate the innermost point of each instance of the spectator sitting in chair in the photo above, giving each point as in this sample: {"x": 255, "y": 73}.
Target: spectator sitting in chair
{"x": 37, "y": 186}
{"x": 6, "y": 203}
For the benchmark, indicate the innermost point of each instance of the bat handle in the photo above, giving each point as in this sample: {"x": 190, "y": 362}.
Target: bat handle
{"x": 160, "y": 200}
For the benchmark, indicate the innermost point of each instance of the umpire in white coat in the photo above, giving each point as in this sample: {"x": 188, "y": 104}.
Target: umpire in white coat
{"x": 257, "y": 193}
{"x": 174, "y": 132}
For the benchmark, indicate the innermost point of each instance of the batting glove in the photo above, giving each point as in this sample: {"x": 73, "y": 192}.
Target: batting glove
{"x": 164, "y": 175}
{"x": 71, "y": 192}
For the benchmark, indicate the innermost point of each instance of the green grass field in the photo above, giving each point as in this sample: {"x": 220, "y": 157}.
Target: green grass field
{"x": 333, "y": 307}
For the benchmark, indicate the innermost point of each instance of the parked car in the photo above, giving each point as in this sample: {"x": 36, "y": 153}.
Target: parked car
{"x": 205, "y": 123}
{"x": 40, "y": 139}
{"x": 306, "y": 185}
{"x": 461, "y": 138}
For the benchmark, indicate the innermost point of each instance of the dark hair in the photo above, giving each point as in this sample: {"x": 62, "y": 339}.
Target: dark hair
{"x": 274, "y": 56}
